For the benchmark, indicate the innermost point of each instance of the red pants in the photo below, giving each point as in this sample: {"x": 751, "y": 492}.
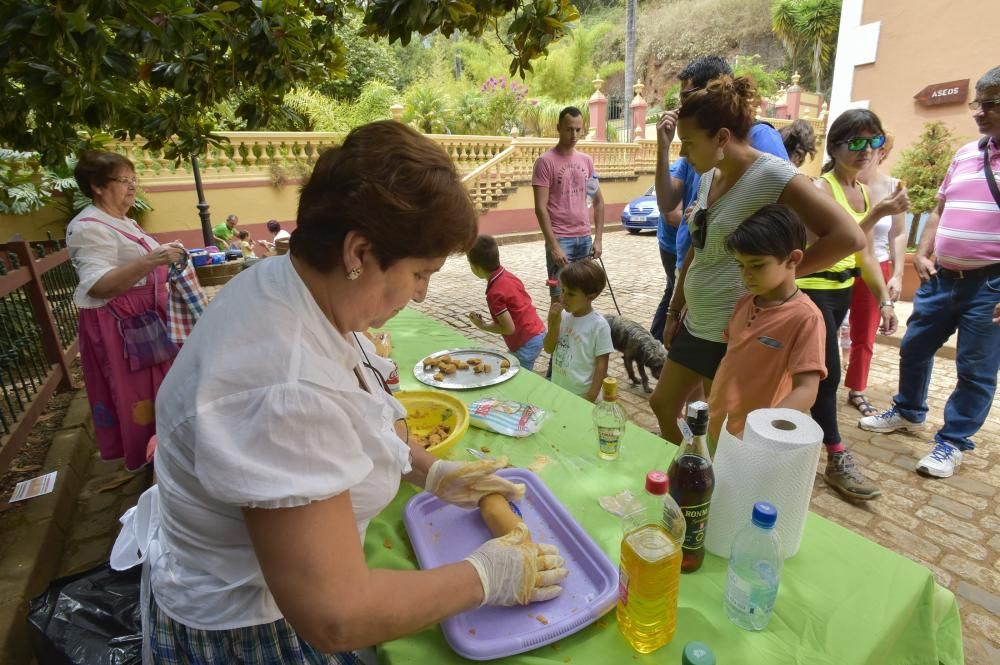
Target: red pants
{"x": 865, "y": 319}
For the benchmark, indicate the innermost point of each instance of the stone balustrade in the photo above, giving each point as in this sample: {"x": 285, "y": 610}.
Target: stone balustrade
{"x": 245, "y": 154}
{"x": 259, "y": 153}
{"x": 513, "y": 166}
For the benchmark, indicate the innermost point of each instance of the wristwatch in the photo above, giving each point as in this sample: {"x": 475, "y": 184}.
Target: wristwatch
{"x": 887, "y": 303}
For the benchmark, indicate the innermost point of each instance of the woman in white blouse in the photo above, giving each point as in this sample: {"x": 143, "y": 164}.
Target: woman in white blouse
{"x": 267, "y": 479}
{"x": 123, "y": 283}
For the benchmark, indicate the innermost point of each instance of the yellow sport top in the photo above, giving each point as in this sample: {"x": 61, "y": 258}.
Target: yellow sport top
{"x": 833, "y": 278}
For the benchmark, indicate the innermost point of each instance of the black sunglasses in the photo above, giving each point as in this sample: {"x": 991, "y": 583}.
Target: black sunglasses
{"x": 699, "y": 228}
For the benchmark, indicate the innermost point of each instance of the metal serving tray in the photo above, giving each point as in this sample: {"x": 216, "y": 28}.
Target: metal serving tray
{"x": 464, "y": 379}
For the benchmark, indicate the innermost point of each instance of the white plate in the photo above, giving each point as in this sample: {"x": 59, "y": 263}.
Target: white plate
{"x": 464, "y": 379}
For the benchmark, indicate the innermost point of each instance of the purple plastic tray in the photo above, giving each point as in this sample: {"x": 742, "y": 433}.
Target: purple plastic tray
{"x": 442, "y": 533}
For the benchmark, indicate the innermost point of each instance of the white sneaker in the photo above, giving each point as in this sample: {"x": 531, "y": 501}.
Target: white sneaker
{"x": 889, "y": 421}
{"x": 941, "y": 461}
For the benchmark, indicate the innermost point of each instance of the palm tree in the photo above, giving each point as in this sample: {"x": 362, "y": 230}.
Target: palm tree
{"x": 629, "y": 65}
{"x": 818, "y": 22}
{"x": 784, "y": 23}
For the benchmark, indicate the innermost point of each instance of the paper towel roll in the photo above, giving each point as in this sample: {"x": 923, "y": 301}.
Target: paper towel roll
{"x": 775, "y": 462}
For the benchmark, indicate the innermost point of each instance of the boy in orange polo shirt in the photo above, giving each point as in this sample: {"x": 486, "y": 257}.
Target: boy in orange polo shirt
{"x": 776, "y": 338}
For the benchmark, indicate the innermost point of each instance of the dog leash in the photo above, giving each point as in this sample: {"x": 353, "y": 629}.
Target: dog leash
{"x": 610, "y": 290}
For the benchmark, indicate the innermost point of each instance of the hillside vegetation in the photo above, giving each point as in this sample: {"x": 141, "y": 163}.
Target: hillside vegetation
{"x": 669, "y": 33}
{"x": 672, "y": 32}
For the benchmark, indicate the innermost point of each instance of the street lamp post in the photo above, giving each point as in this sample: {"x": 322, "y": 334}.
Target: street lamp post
{"x": 206, "y": 219}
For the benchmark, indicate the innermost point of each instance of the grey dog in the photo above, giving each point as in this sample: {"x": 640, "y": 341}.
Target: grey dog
{"x": 638, "y": 347}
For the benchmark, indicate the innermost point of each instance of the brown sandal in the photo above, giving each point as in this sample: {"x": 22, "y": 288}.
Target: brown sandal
{"x": 861, "y": 403}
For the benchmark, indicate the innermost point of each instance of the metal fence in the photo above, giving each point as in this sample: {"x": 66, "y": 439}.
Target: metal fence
{"x": 38, "y": 335}
{"x": 618, "y": 103}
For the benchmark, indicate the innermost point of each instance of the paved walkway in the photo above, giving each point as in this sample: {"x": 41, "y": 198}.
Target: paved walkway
{"x": 951, "y": 526}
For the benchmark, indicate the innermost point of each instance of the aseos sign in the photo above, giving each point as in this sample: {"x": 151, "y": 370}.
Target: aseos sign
{"x": 952, "y": 92}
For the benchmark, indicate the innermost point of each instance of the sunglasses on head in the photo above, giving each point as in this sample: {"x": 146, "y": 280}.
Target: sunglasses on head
{"x": 859, "y": 143}
{"x": 699, "y": 228}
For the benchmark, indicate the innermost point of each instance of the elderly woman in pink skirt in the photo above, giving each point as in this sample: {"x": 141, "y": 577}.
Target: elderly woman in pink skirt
{"x": 122, "y": 298}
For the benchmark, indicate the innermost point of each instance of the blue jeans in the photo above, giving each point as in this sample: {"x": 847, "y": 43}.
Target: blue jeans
{"x": 669, "y": 262}
{"x": 575, "y": 249}
{"x": 941, "y": 306}
{"x": 528, "y": 353}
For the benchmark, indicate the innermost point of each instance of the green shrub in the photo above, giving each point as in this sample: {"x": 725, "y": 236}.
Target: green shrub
{"x": 566, "y": 73}
{"x": 428, "y": 109}
{"x": 27, "y": 186}
{"x": 540, "y": 116}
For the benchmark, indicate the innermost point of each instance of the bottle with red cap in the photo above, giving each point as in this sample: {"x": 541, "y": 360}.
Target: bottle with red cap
{"x": 650, "y": 568}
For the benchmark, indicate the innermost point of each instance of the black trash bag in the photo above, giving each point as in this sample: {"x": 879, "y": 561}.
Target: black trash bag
{"x": 92, "y": 618}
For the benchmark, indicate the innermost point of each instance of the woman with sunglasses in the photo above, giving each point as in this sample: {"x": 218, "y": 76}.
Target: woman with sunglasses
{"x": 736, "y": 180}
{"x": 853, "y": 142}
{"x": 123, "y": 278}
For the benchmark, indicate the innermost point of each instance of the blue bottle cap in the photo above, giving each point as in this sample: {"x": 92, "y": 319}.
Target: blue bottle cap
{"x": 697, "y": 653}
{"x": 764, "y": 515}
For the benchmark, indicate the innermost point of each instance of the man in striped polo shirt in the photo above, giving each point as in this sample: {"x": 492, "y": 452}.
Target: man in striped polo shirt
{"x": 961, "y": 290}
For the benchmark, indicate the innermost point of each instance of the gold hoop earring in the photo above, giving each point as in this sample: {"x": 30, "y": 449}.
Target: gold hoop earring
{"x": 354, "y": 273}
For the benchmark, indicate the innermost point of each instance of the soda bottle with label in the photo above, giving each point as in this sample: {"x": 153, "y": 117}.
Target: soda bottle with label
{"x": 393, "y": 380}
{"x": 691, "y": 483}
{"x": 697, "y": 653}
{"x": 649, "y": 572}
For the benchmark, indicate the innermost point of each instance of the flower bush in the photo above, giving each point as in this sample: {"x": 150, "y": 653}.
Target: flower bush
{"x": 504, "y": 101}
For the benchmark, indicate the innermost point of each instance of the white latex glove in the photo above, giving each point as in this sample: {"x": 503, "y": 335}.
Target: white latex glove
{"x": 516, "y": 571}
{"x": 465, "y": 483}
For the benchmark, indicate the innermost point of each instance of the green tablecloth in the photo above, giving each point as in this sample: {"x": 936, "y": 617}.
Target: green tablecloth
{"x": 843, "y": 600}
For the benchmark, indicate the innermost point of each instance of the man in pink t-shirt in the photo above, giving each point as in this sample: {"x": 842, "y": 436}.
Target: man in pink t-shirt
{"x": 560, "y": 181}
{"x": 958, "y": 262}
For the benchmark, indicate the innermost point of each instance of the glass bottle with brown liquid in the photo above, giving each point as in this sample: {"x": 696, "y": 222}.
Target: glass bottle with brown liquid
{"x": 691, "y": 483}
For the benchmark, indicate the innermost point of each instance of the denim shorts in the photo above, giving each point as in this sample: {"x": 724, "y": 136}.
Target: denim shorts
{"x": 529, "y": 351}
{"x": 576, "y": 248}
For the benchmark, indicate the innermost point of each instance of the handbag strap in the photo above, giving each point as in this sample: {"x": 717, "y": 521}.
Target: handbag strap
{"x": 136, "y": 239}
{"x": 990, "y": 178}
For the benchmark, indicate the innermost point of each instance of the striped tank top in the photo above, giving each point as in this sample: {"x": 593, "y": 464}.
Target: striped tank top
{"x": 848, "y": 264}
{"x": 713, "y": 283}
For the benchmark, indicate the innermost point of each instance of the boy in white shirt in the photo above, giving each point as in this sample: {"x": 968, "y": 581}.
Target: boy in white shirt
{"x": 579, "y": 338}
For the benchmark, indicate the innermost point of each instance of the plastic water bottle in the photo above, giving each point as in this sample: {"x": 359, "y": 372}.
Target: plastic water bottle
{"x": 754, "y": 570}
{"x": 592, "y": 185}
{"x": 650, "y": 569}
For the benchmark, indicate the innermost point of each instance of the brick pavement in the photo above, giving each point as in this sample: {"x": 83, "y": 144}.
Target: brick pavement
{"x": 951, "y": 526}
